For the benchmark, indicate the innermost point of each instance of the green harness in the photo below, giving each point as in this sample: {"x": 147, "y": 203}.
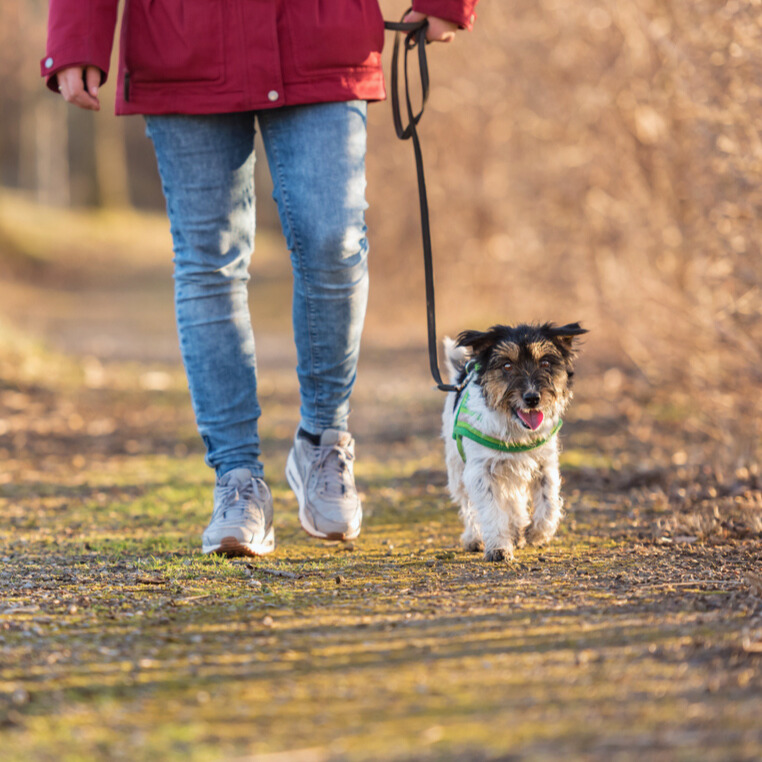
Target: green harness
{"x": 466, "y": 428}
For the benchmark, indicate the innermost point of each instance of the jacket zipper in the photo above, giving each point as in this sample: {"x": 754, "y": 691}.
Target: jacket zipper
{"x": 125, "y": 20}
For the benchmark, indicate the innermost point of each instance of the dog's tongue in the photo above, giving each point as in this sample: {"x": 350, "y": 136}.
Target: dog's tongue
{"x": 532, "y": 418}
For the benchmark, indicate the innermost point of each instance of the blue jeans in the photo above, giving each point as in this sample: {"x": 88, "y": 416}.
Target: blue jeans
{"x": 316, "y": 155}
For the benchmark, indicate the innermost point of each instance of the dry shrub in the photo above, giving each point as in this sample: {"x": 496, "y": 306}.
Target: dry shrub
{"x": 596, "y": 160}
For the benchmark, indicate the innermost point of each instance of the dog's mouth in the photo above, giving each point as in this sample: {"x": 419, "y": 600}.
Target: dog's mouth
{"x": 531, "y": 419}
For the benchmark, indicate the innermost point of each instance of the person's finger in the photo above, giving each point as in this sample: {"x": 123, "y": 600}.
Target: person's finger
{"x": 69, "y": 79}
{"x": 440, "y": 30}
{"x": 93, "y": 80}
{"x": 413, "y": 17}
{"x": 85, "y": 101}
{"x": 72, "y": 87}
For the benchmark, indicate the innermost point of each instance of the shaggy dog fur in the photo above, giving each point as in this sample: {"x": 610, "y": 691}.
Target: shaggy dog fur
{"x": 518, "y": 385}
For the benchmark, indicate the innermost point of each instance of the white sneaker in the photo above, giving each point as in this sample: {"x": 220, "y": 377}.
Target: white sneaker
{"x": 242, "y": 521}
{"x": 323, "y": 479}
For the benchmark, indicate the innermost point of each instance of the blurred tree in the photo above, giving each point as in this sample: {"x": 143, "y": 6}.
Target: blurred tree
{"x": 34, "y": 129}
{"x": 62, "y": 156}
{"x": 110, "y": 151}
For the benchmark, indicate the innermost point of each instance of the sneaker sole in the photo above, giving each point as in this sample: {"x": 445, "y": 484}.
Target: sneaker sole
{"x": 295, "y": 482}
{"x": 233, "y": 548}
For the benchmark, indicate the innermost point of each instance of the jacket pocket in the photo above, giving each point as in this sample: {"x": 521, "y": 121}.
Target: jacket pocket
{"x": 331, "y": 35}
{"x": 174, "y": 40}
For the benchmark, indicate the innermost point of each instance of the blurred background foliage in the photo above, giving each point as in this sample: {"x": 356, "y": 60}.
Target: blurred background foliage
{"x": 593, "y": 160}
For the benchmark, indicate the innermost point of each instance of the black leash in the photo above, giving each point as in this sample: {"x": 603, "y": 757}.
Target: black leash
{"x": 415, "y": 38}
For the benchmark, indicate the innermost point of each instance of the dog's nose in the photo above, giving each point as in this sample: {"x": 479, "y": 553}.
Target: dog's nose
{"x": 531, "y": 399}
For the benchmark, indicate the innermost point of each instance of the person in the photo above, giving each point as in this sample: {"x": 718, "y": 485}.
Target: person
{"x": 203, "y": 74}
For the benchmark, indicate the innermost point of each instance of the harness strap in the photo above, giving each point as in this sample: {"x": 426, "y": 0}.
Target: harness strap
{"x": 416, "y": 38}
{"x": 463, "y": 429}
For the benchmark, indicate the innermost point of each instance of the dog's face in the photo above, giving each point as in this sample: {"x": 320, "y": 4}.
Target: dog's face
{"x": 525, "y": 371}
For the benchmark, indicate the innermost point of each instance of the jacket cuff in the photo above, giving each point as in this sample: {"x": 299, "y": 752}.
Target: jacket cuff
{"x": 80, "y": 33}
{"x": 460, "y": 12}
{"x": 57, "y": 60}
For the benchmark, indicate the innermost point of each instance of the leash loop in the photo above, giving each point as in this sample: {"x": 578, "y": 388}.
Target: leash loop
{"x": 415, "y": 39}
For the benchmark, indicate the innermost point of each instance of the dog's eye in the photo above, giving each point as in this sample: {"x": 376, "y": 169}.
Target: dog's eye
{"x": 508, "y": 366}
{"x": 545, "y": 364}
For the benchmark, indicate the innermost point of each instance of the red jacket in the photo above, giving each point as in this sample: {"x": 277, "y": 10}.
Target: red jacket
{"x": 212, "y": 56}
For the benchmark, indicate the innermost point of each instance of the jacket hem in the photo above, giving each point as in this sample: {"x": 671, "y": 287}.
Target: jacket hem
{"x": 160, "y": 99}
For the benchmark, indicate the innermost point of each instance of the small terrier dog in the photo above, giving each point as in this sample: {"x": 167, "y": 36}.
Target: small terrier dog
{"x": 500, "y": 432}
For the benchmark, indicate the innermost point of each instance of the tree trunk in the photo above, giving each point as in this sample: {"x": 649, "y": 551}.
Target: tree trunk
{"x": 111, "y": 161}
{"x": 51, "y": 135}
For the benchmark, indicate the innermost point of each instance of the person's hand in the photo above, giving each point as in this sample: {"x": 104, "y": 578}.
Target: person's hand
{"x": 439, "y": 30}
{"x": 79, "y": 85}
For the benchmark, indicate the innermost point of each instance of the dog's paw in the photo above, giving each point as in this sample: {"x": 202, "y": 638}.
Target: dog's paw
{"x": 539, "y": 535}
{"x": 498, "y": 555}
{"x": 473, "y": 545}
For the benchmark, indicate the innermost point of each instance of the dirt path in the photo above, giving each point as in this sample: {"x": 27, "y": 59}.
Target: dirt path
{"x": 629, "y": 637}
{"x": 637, "y": 634}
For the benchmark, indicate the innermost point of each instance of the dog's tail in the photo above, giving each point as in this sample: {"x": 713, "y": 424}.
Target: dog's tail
{"x": 456, "y": 358}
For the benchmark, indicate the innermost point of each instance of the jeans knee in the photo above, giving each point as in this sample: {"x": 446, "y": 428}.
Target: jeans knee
{"x": 205, "y": 268}
{"x": 335, "y": 256}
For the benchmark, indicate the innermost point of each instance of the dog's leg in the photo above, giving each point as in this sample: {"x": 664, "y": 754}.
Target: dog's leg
{"x": 471, "y": 539}
{"x": 516, "y": 506}
{"x": 494, "y": 520}
{"x": 548, "y": 505}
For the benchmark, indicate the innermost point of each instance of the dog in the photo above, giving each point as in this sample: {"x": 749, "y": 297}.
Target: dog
{"x": 501, "y": 432}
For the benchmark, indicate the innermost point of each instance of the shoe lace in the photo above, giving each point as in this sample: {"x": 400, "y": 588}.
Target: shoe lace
{"x": 332, "y": 470}
{"x": 239, "y": 496}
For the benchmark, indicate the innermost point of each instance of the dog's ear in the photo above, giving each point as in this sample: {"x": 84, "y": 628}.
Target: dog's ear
{"x": 564, "y": 333}
{"x": 455, "y": 359}
{"x": 564, "y": 337}
{"x": 478, "y": 341}
{"x": 570, "y": 330}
